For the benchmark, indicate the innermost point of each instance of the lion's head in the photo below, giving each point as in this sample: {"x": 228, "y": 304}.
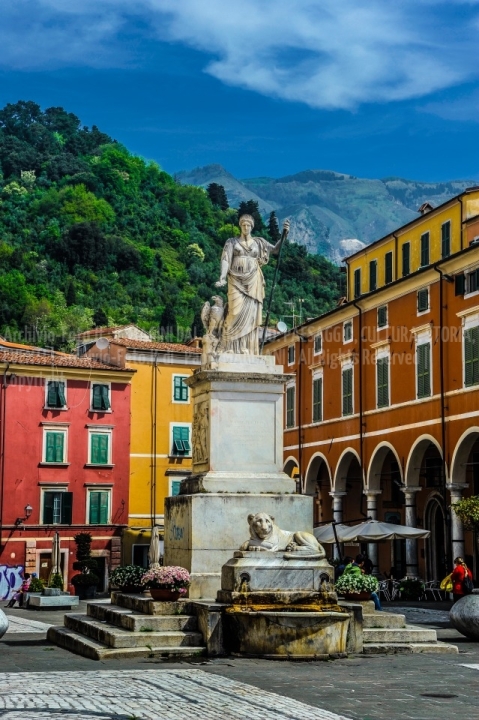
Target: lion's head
{"x": 261, "y": 525}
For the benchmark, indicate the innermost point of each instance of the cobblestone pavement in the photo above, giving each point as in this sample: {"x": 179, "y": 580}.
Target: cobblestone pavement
{"x": 144, "y": 695}
{"x": 421, "y": 616}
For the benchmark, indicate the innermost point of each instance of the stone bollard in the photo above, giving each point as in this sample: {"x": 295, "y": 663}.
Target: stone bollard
{"x": 3, "y": 623}
{"x": 464, "y": 615}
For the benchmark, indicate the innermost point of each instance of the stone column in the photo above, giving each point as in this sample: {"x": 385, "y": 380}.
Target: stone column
{"x": 372, "y": 512}
{"x": 412, "y": 568}
{"x": 337, "y": 513}
{"x": 457, "y": 530}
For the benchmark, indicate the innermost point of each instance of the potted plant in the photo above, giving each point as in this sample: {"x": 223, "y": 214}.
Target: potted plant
{"x": 86, "y": 581}
{"x": 411, "y": 589}
{"x": 36, "y": 585}
{"x": 128, "y": 578}
{"x": 356, "y": 587}
{"x": 467, "y": 510}
{"x": 167, "y": 583}
{"x": 55, "y": 585}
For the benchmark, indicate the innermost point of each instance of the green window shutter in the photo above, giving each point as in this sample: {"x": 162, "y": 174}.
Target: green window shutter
{"x": 180, "y": 389}
{"x": 446, "y": 239}
{"x": 388, "y": 268}
{"x": 382, "y": 367}
{"x": 61, "y": 394}
{"x": 48, "y": 501}
{"x": 52, "y": 394}
{"x": 103, "y": 511}
{"x": 317, "y": 399}
{"x": 94, "y": 515}
{"x": 373, "y": 267}
{"x": 54, "y": 447}
{"x": 425, "y": 249}
{"x": 175, "y": 487}
{"x": 348, "y": 391}
{"x": 66, "y": 508}
{"x": 423, "y": 300}
{"x": 105, "y": 397}
{"x": 99, "y": 448}
{"x": 460, "y": 284}
{"x": 423, "y": 369}
{"x": 406, "y": 259}
{"x": 96, "y": 399}
{"x": 382, "y": 316}
{"x": 357, "y": 283}
{"x": 290, "y": 400}
{"x": 471, "y": 356}
{"x": 181, "y": 440}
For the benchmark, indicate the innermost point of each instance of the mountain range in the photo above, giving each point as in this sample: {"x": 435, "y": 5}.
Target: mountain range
{"x": 331, "y": 213}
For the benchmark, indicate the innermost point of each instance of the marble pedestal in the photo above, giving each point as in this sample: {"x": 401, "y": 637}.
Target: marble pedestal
{"x": 237, "y": 447}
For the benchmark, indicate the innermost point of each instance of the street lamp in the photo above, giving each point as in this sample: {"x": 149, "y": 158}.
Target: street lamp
{"x": 28, "y": 512}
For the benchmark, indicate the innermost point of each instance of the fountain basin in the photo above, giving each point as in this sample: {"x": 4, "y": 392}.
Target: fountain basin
{"x": 286, "y": 634}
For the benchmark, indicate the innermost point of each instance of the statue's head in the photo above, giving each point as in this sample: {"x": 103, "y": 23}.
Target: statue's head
{"x": 246, "y": 219}
{"x": 261, "y": 525}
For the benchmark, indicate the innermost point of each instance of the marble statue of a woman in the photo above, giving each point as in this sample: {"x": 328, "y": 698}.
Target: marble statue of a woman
{"x": 241, "y": 263}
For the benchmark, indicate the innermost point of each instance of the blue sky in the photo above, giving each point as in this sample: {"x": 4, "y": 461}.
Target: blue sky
{"x": 264, "y": 87}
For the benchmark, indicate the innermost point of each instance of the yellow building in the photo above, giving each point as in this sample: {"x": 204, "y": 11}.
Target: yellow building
{"x": 439, "y": 233}
{"x": 161, "y": 417}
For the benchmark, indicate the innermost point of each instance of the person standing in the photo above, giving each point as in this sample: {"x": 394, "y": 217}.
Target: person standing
{"x": 458, "y": 577}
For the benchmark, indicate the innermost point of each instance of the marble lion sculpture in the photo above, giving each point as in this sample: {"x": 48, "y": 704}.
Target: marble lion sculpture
{"x": 265, "y": 535}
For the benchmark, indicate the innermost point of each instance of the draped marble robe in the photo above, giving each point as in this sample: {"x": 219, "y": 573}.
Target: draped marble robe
{"x": 245, "y": 294}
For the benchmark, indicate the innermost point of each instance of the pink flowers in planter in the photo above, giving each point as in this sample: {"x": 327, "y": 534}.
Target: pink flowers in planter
{"x": 170, "y": 577}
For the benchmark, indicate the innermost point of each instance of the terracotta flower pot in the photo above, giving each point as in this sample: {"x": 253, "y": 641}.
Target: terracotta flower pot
{"x": 165, "y": 594}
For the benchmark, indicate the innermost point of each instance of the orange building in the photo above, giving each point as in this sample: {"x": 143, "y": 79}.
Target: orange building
{"x": 382, "y": 409}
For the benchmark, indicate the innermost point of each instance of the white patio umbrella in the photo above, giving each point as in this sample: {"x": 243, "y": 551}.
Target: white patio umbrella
{"x": 371, "y": 531}
{"x": 154, "y": 551}
{"x": 56, "y": 556}
{"x": 325, "y": 533}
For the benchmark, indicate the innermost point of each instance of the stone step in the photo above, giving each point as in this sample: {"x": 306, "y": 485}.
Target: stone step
{"x": 89, "y": 648}
{"x": 116, "y": 637}
{"x": 398, "y": 647}
{"x": 143, "y": 603}
{"x": 383, "y": 620}
{"x": 408, "y": 634}
{"x": 136, "y": 622}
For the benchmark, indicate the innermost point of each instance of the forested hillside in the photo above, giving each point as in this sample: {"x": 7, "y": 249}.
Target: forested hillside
{"x": 92, "y": 235}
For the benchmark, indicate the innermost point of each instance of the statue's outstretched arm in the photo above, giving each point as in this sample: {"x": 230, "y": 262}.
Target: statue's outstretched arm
{"x": 284, "y": 235}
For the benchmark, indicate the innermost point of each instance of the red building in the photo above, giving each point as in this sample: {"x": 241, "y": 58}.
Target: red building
{"x": 382, "y": 409}
{"x": 64, "y": 460}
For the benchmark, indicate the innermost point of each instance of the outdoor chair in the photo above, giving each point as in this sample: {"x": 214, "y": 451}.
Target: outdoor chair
{"x": 384, "y": 590}
{"x": 431, "y": 591}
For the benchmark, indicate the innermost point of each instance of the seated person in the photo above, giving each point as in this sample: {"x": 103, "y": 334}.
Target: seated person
{"x": 357, "y": 568}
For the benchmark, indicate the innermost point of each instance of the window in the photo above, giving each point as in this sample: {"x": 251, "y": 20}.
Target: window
{"x": 382, "y": 316}
{"x": 54, "y": 446}
{"x": 473, "y": 281}
{"x": 57, "y": 507}
{"x": 100, "y": 448}
{"x": 357, "y": 283}
{"x": 423, "y": 300}
{"x": 382, "y": 375}
{"x": 423, "y": 369}
{"x": 140, "y": 555}
{"x": 100, "y": 397}
{"x": 55, "y": 397}
{"x": 432, "y": 471}
{"x": 180, "y": 389}
{"x": 290, "y": 406}
{"x": 318, "y": 343}
{"x": 291, "y": 355}
{"x": 388, "y": 268}
{"x": 317, "y": 399}
{"x": 348, "y": 331}
{"x": 425, "y": 249}
{"x": 471, "y": 356}
{"x": 98, "y": 507}
{"x": 446, "y": 239}
{"x": 373, "y": 275}
{"x": 406, "y": 259}
{"x": 175, "y": 487}
{"x": 181, "y": 440}
{"x": 347, "y": 377}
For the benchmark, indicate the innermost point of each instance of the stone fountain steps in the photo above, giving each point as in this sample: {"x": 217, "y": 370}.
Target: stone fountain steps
{"x": 385, "y": 632}
{"x": 134, "y": 626}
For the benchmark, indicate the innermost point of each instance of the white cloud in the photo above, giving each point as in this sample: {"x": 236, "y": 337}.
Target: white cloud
{"x": 326, "y": 53}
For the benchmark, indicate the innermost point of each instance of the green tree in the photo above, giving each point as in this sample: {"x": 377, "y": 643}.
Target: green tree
{"x": 217, "y": 195}
{"x": 273, "y": 227}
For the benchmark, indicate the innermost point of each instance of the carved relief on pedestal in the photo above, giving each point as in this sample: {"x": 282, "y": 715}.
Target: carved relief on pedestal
{"x": 200, "y": 434}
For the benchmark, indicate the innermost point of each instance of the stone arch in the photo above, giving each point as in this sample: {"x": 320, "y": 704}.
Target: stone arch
{"x": 317, "y": 463}
{"x": 416, "y": 454}
{"x": 345, "y": 460}
{"x": 290, "y": 465}
{"x": 461, "y": 454}
{"x": 376, "y": 463}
